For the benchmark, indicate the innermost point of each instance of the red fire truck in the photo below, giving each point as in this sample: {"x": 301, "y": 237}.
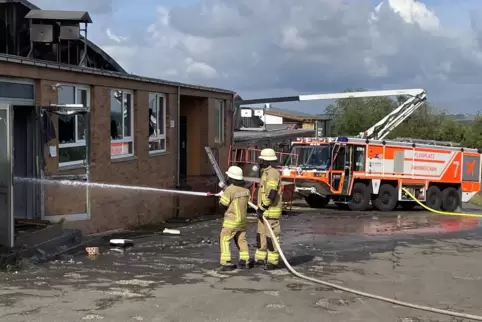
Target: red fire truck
{"x": 355, "y": 172}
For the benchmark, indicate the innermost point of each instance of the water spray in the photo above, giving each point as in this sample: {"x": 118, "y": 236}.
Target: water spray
{"x": 114, "y": 186}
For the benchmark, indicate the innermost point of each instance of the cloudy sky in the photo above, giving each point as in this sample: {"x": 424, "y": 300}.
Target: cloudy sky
{"x": 285, "y": 47}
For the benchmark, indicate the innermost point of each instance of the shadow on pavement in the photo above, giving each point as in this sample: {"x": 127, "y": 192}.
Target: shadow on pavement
{"x": 298, "y": 260}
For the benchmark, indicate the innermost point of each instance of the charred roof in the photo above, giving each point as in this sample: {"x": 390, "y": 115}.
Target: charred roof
{"x": 16, "y": 14}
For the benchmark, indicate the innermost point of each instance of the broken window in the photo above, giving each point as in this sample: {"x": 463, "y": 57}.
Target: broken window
{"x": 219, "y": 121}
{"x": 121, "y": 123}
{"x": 71, "y": 128}
{"x": 157, "y": 123}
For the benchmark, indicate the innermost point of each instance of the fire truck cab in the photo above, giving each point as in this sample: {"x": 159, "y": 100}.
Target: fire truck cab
{"x": 355, "y": 172}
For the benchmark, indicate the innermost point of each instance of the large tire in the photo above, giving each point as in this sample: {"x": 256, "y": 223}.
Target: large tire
{"x": 360, "y": 197}
{"x": 317, "y": 201}
{"x": 450, "y": 199}
{"x": 434, "y": 198}
{"x": 387, "y": 198}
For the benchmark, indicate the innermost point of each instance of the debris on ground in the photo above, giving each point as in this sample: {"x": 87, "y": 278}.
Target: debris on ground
{"x": 9, "y": 258}
{"x": 121, "y": 243}
{"x": 171, "y": 231}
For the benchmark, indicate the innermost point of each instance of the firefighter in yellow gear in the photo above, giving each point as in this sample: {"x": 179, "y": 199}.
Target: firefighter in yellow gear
{"x": 269, "y": 207}
{"x": 234, "y": 199}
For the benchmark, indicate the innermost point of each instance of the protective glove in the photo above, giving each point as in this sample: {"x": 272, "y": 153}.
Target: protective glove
{"x": 259, "y": 213}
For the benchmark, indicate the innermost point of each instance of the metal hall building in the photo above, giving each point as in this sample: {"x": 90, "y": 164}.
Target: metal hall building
{"x": 69, "y": 111}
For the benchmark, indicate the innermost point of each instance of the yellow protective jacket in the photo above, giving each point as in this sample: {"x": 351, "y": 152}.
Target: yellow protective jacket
{"x": 270, "y": 179}
{"x": 236, "y": 199}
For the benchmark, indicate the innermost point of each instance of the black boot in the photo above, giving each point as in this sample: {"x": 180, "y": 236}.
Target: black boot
{"x": 270, "y": 267}
{"x": 227, "y": 268}
{"x": 260, "y": 262}
{"x": 245, "y": 264}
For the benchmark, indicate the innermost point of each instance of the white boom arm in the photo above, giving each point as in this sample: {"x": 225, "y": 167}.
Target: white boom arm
{"x": 383, "y": 127}
{"x": 378, "y": 131}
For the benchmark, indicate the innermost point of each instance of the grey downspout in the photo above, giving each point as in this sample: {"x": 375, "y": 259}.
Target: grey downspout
{"x": 233, "y": 119}
{"x": 88, "y": 160}
{"x": 178, "y": 150}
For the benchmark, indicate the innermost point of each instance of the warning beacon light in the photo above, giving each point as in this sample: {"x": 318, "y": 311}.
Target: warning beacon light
{"x": 342, "y": 139}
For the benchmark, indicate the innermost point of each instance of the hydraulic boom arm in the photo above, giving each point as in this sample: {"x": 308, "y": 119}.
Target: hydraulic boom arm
{"x": 383, "y": 127}
{"x": 378, "y": 131}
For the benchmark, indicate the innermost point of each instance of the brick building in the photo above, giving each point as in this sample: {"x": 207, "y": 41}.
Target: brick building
{"x": 143, "y": 132}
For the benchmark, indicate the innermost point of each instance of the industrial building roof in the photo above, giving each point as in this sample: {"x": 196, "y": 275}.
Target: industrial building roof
{"x": 273, "y": 131}
{"x": 295, "y": 115}
{"x": 100, "y": 72}
{"x": 82, "y": 16}
{"x": 93, "y": 46}
{"x": 37, "y": 13}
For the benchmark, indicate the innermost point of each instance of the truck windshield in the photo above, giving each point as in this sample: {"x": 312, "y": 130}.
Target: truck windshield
{"x": 316, "y": 157}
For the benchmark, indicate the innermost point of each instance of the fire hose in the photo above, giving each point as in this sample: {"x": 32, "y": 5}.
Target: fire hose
{"x": 360, "y": 293}
{"x": 283, "y": 257}
{"x": 335, "y": 286}
{"x": 439, "y": 212}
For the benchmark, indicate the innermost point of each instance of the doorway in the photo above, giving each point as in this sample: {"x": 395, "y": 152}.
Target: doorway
{"x": 183, "y": 149}
{"x": 6, "y": 188}
{"x": 24, "y": 161}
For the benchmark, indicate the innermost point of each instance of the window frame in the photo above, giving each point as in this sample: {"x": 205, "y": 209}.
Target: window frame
{"x": 162, "y": 136}
{"x": 77, "y": 143}
{"x": 359, "y": 167}
{"x": 128, "y": 139}
{"x": 219, "y": 135}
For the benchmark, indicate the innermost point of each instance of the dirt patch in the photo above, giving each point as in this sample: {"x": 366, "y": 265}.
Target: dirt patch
{"x": 477, "y": 199}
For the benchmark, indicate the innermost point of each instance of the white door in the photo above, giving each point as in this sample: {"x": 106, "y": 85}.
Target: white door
{"x": 6, "y": 177}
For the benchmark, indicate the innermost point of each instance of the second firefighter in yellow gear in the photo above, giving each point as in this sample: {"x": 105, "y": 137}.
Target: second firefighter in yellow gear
{"x": 270, "y": 207}
{"x": 234, "y": 199}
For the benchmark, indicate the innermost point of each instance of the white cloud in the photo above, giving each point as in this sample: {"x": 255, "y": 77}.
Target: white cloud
{"x": 114, "y": 37}
{"x": 281, "y": 46}
{"x": 413, "y": 12}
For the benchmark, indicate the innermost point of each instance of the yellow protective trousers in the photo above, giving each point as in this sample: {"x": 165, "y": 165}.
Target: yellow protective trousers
{"x": 239, "y": 236}
{"x": 266, "y": 250}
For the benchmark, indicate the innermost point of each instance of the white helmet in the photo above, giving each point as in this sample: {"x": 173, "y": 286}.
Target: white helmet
{"x": 235, "y": 173}
{"x": 268, "y": 155}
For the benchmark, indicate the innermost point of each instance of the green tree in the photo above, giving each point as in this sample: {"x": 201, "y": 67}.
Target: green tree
{"x": 354, "y": 115}
{"x": 473, "y": 136}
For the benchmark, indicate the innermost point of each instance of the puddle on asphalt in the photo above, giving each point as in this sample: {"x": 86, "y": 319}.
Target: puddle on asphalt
{"x": 189, "y": 259}
{"x": 419, "y": 223}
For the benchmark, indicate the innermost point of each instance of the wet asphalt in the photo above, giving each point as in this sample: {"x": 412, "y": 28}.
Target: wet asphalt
{"x": 409, "y": 255}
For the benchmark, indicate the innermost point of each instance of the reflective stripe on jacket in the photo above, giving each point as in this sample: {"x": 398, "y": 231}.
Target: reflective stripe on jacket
{"x": 236, "y": 199}
{"x": 270, "y": 180}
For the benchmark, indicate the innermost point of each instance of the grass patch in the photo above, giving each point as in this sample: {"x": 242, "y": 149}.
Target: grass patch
{"x": 477, "y": 200}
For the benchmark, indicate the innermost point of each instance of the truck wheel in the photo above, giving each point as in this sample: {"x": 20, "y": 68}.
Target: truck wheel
{"x": 434, "y": 198}
{"x": 387, "y": 198}
{"x": 360, "y": 197}
{"x": 450, "y": 199}
{"x": 317, "y": 201}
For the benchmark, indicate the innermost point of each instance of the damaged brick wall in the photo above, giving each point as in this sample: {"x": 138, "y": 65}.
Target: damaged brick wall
{"x": 112, "y": 209}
